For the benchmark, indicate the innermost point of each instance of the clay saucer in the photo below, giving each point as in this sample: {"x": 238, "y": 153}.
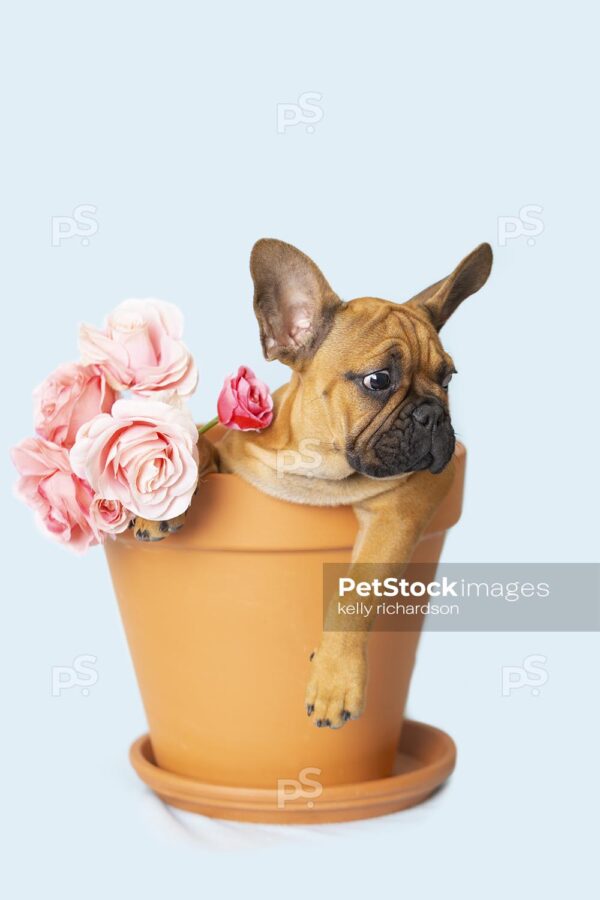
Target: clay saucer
{"x": 426, "y": 757}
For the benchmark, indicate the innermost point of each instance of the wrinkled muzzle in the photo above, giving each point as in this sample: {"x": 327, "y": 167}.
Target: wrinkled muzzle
{"x": 420, "y": 437}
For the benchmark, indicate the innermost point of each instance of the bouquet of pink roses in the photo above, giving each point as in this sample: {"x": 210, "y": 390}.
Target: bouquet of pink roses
{"x": 114, "y": 437}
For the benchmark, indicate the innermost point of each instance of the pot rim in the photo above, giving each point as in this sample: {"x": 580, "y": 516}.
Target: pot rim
{"x": 230, "y": 514}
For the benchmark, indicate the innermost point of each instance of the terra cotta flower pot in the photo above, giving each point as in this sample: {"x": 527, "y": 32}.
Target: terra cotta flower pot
{"x": 220, "y": 620}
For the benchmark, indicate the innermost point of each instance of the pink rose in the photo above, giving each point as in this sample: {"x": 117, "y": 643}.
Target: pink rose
{"x": 140, "y": 349}
{"x": 109, "y": 516}
{"x": 245, "y": 402}
{"x": 144, "y": 455}
{"x": 72, "y": 395}
{"x": 60, "y": 499}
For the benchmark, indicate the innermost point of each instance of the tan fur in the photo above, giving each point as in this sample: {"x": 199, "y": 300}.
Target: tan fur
{"x": 321, "y": 410}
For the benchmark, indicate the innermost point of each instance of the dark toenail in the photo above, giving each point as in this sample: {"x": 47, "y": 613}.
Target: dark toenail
{"x": 310, "y": 709}
{"x": 319, "y": 723}
{"x": 327, "y": 723}
{"x": 164, "y": 526}
{"x": 312, "y": 656}
{"x": 346, "y": 715}
{"x": 142, "y": 535}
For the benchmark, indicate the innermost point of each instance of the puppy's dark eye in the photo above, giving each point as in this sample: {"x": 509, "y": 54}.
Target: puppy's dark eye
{"x": 377, "y": 381}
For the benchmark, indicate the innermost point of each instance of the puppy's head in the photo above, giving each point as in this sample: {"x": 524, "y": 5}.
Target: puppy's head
{"x": 376, "y": 370}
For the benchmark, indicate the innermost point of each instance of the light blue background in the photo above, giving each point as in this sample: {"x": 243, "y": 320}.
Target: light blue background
{"x": 438, "y": 118}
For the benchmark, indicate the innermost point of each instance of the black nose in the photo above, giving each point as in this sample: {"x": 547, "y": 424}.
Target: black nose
{"x": 427, "y": 414}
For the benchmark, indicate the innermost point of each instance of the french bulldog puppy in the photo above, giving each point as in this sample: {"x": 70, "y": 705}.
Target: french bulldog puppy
{"x": 369, "y": 395}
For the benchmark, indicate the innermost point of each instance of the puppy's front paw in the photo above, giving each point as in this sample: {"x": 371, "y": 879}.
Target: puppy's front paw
{"x": 337, "y": 684}
{"x": 147, "y": 530}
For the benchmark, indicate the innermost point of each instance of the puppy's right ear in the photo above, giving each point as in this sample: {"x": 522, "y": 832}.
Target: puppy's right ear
{"x": 293, "y": 301}
{"x": 441, "y": 299}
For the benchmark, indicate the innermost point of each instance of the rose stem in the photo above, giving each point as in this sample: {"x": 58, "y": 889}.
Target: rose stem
{"x": 211, "y": 424}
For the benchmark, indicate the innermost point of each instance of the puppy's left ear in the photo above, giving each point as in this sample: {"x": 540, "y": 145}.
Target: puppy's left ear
{"x": 441, "y": 299}
{"x": 293, "y": 301}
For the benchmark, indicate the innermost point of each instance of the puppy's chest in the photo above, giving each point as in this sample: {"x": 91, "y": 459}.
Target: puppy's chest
{"x": 284, "y": 475}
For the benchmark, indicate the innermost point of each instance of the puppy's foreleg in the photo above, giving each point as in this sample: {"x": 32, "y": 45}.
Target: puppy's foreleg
{"x": 390, "y": 526}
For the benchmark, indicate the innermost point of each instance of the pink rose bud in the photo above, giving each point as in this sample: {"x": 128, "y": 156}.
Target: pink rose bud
{"x": 109, "y": 516}
{"x": 245, "y": 402}
{"x": 60, "y": 499}
{"x": 143, "y": 455}
{"x": 140, "y": 349}
{"x": 72, "y": 395}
